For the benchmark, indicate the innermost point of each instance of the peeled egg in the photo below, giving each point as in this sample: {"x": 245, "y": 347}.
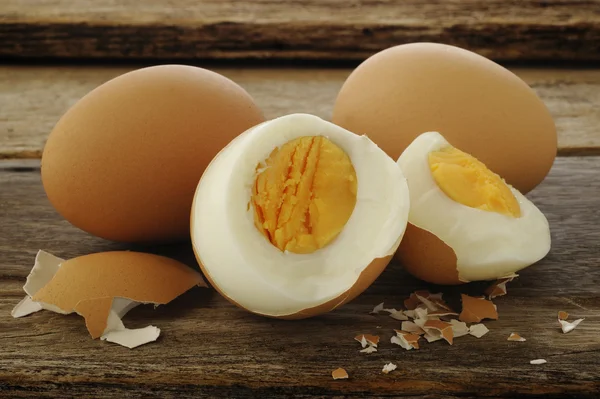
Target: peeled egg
{"x": 480, "y": 106}
{"x": 465, "y": 222}
{"x": 123, "y": 163}
{"x": 297, "y": 216}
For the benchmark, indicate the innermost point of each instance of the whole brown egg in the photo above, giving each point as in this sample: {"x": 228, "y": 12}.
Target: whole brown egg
{"x": 123, "y": 163}
{"x": 478, "y": 105}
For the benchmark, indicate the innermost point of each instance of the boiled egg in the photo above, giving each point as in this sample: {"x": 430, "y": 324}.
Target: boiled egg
{"x": 297, "y": 216}
{"x": 465, "y": 222}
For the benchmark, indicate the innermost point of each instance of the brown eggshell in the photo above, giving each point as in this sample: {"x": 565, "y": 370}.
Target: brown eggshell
{"x": 123, "y": 163}
{"x": 427, "y": 257}
{"x": 479, "y": 106}
{"x": 365, "y": 279}
{"x": 88, "y": 284}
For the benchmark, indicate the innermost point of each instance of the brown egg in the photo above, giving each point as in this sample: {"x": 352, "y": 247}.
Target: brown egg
{"x": 479, "y": 106}
{"x": 123, "y": 163}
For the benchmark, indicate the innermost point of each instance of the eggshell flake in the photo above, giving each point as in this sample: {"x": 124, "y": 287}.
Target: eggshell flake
{"x": 227, "y": 243}
{"x": 124, "y": 161}
{"x": 459, "y": 328}
{"x": 398, "y": 315}
{"x": 438, "y": 328}
{"x": 339, "y": 374}
{"x": 369, "y": 349}
{"x": 388, "y": 368}
{"x": 406, "y": 339}
{"x": 372, "y": 340}
{"x": 498, "y": 288}
{"x": 377, "y": 309}
{"x": 516, "y": 337}
{"x": 412, "y": 327}
{"x": 135, "y": 276}
{"x": 476, "y": 309}
{"x": 538, "y": 361}
{"x": 562, "y": 315}
{"x": 478, "y": 330}
{"x": 483, "y": 108}
{"x": 567, "y": 327}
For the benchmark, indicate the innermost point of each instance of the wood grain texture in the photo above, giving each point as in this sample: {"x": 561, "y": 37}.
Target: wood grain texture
{"x": 32, "y": 99}
{"x": 209, "y": 348}
{"x": 306, "y": 29}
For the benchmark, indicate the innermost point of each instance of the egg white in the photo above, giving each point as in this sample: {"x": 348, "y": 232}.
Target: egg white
{"x": 487, "y": 245}
{"x": 250, "y": 270}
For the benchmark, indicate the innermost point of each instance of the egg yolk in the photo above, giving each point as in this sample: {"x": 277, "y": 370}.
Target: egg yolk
{"x": 304, "y": 194}
{"x": 468, "y": 181}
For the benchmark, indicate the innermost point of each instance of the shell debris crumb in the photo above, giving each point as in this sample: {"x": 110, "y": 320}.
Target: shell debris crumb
{"x": 516, "y": 337}
{"x": 377, "y": 309}
{"x": 437, "y": 329}
{"x": 459, "y": 328}
{"x": 406, "y": 340}
{"x": 538, "y": 361}
{"x": 388, "y": 368}
{"x": 476, "y": 309}
{"x": 368, "y": 349}
{"x": 411, "y": 327}
{"x": 399, "y": 315}
{"x": 562, "y": 315}
{"x": 365, "y": 339}
{"x": 339, "y": 374}
{"x": 498, "y": 288}
{"x": 478, "y": 330}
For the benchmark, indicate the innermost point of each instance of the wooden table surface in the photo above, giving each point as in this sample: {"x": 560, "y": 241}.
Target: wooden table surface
{"x": 209, "y": 348}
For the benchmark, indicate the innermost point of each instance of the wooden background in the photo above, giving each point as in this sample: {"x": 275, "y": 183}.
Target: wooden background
{"x": 294, "y": 57}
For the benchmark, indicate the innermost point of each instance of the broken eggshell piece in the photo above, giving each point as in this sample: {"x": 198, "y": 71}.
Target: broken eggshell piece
{"x": 253, "y": 273}
{"x": 103, "y": 287}
{"x": 450, "y": 242}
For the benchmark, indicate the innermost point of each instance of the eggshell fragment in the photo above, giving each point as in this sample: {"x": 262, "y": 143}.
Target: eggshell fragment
{"x": 377, "y": 309}
{"x": 372, "y": 340}
{"x": 398, "y": 315}
{"x": 538, "y": 361}
{"x": 412, "y": 327}
{"x": 567, "y": 327}
{"x": 103, "y": 287}
{"x": 476, "y": 309}
{"x": 388, "y": 368}
{"x": 459, "y": 328}
{"x": 406, "y": 340}
{"x": 478, "y": 330}
{"x": 498, "y": 288}
{"x": 437, "y": 329}
{"x": 562, "y": 315}
{"x": 339, "y": 374}
{"x": 369, "y": 349}
{"x": 516, "y": 337}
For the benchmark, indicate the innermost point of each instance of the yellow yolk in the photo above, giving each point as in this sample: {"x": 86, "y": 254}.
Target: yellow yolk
{"x": 304, "y": 194}
{"x": 468, "y": 181}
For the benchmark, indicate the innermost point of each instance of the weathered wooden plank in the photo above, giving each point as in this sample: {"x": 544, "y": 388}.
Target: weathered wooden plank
{"x": 210, "y": 348}
{"x": 33, "y": 98}
{"x": 308, "y": 29}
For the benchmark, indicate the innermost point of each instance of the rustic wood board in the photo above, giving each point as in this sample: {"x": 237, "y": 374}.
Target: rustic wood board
{"x": 33, "y": 99}
{"x": 209, "y": 348}
{"x": 305, "y": 29}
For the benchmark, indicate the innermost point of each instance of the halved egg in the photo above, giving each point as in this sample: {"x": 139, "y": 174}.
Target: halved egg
{"x": 465, "y": 222}
{"x": 297, "y": 216}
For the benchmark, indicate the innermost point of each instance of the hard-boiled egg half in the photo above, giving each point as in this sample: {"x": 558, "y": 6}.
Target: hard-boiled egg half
{"x": 298, "y": 216}
{"x": 465, "y": 222}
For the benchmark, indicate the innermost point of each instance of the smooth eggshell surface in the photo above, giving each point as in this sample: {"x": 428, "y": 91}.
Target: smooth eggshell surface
{"x": 481, "y": 108}
{"x": 123, "y": 163}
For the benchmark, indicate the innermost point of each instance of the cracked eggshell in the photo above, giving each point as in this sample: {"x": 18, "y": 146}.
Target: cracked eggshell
{"x": 449, "y": 243}
{"x": 123, "y": 163}
{"x": 482, "y": 107}
{"x": 90, "y": 284}
{"x": 242, "y": 265}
